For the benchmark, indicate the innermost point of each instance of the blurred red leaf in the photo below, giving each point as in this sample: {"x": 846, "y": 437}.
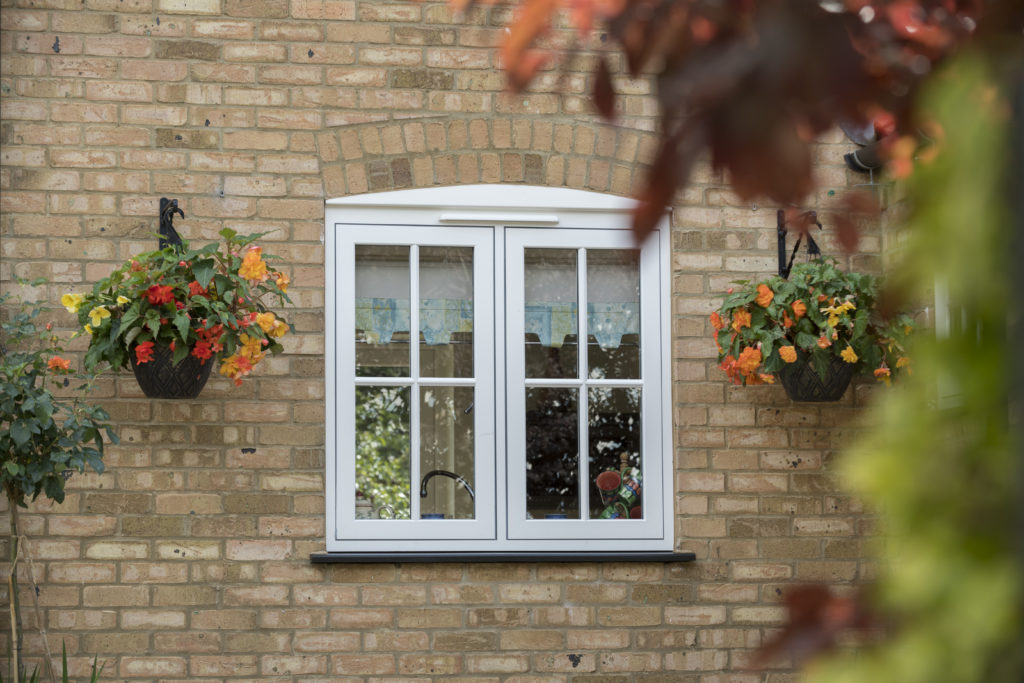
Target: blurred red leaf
{"x": 604, "y": 91}
{"x": 521, "y": 63}
{"x": 816, "y": 619}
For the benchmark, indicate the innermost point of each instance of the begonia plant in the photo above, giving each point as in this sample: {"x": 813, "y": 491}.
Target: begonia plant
{"x": 209, "y": 303}
{"x": 816, "y": 314}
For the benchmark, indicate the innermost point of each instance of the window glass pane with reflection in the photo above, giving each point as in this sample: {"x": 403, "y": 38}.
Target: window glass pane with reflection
{"x": 382, "y": 311}
{"x": 613, "y": 313}
{"x": 552, "y": 301}
{"x": 446, "y": 311}
{"x": 552, "y": 453}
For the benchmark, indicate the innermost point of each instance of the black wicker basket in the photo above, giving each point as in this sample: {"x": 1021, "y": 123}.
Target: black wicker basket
{"x": 160, "y": 378}
{"x": 803, "y": 383}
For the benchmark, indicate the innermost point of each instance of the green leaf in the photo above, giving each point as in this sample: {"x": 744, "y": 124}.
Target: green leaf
{"x": 182, "y": 325}
{"x": 20, "y": 433}
{"x": 180, "y": 351}
{"x": 203, "y": 271}
{"x": 227, "y": 233}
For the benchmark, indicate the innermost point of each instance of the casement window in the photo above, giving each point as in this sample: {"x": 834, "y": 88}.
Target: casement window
{"x": 497, "y": 374}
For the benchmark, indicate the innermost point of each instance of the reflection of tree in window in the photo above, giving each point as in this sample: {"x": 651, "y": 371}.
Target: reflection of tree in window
{"x": 613, "y": 429}
{"x": 382, "y": 447}
{"x": 552, "y": 448}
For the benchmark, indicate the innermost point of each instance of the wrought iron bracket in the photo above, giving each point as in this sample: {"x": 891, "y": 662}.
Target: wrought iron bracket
{"x": 168, "y": 235}
{"x": 812, "y": 246}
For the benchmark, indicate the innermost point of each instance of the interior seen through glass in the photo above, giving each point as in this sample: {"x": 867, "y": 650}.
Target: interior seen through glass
{"x": 383, "y": 477}
{"x": 611, "y": 302}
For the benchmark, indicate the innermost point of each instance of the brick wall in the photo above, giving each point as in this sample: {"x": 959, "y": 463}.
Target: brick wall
{"x": 188, "y": 558}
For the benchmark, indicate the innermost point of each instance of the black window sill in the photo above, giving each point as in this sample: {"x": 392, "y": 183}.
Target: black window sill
{"x": 364, "y": 558}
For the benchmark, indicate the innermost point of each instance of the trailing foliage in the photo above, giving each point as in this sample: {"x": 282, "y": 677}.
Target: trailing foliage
{"x": 819, "y": 313}
{"x": 43, "y": 435}
{"x": 207, "y": 302}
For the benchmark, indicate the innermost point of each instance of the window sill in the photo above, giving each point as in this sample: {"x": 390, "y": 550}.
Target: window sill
{"x": 637, "y": 556}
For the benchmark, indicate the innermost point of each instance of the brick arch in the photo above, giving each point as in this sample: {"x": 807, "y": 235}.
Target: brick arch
{"x": 574, "y": 153}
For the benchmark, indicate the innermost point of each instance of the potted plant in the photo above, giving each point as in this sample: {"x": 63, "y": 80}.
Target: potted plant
{"x": 814, "y": 330}
{"x": 172, "y": 313}
{"x": 47, "y": 429}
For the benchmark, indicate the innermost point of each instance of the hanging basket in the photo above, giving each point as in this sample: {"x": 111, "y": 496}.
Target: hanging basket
{"x": 160, "y": 378}
{"x": 803, "y": 383}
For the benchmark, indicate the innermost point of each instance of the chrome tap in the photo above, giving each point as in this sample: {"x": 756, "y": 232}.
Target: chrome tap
{"x": 451, "y": 475}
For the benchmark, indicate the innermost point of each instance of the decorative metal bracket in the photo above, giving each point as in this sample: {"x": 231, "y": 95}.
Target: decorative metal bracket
{"x": 168, "y": 235}
{"x": 812, "y": 246}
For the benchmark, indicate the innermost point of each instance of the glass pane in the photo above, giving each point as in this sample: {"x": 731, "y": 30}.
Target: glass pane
{"x": 446, "y": 312}
{"x": 613, "y": 429}
{"x": 446, "y": 453}
{"x": 552, "y": 454}
{"x": 613, "y": 313}
{"x": 551, "y": 313}
{"x": 382, "y": 453}
{"x": 382, "y": 311}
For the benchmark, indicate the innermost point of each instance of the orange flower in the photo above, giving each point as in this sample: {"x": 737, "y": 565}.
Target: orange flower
{"x": 787, "y": 322}
{"x": 749, "y": 360}
{"x": 740, "y": 319}
{"x": 799, "y": 309}
{"x": 283, "y": 281}
{"x": 824, "y": 342}
{"x": 253, "y": 266}
{"x": 716, "y": 321}
{"x": 788, "y": 354}
{"x": 764, "y": 295}
{"x": 883, "y": 374}
{"x": 57, "y": 363}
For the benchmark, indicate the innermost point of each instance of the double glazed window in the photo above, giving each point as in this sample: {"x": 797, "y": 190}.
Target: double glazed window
{"x": 497, "y": 375}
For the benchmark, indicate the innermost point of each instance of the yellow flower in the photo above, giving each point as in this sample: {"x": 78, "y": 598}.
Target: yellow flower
{"x": 848, "y": 354}
{"x": 266, "y": 321}
{"x": 72, "y": 302}
{"x": 283, "y": 281}
{"x": 123, "y": 299}
{"x": 252, "y": 348}
{"x": 97, "y": 315}
{"x": 87, "y": 329}
{"x": 253, "y": 266}
{"x": 902, "y": 361}
{"x": 280, "y": 329}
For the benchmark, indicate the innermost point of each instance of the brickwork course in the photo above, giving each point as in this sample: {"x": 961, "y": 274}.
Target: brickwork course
{"x": 188, "y": 559}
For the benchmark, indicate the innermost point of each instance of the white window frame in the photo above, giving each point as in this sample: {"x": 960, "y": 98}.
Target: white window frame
{"x": 515, "y": 216}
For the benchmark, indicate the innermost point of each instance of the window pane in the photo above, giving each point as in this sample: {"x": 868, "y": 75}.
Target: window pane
{"x": 551, "y": 312}
{"x": 552, "y": 453}
{"x": 613, "y": 430}
{"x": 382, "y": 311}
{"x": 613, "y": 313}
{"x": 382, "y": 452}
{"x": 447, "y": 486}
{"x": 446, "y": 312}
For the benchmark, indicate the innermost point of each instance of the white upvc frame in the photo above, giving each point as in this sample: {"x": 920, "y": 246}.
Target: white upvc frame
{"x": 517, "y": 240}
{"x": 420, "y": 217}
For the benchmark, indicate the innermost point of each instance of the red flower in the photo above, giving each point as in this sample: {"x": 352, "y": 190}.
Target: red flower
{"x": 195, "y": 289}
{"x": 179, "y": 305}
{"x": 202, "y": 351}
{"x": 160, "y": 294}
{"x": 144, "y": 352}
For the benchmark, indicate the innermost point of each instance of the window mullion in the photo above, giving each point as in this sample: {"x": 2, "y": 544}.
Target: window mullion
{"x": 414, "y": 373}
{"x": 582, "y": 399}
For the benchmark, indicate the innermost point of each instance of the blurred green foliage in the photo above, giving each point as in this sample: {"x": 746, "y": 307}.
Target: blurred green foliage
{"x": 942, "y": 465}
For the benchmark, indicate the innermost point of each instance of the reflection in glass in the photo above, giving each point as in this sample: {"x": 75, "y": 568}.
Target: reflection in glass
{"x": 552, "y": 303}
{"x": 446, "y": 453}
{"x": 552, "y": 453}
{"x": 382, "y": 311}
{"x": 613, "y": 433}
{"x": 446, "y": 312}
{"x": 382, "y": 445}
{"x": 613, "y": 313}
